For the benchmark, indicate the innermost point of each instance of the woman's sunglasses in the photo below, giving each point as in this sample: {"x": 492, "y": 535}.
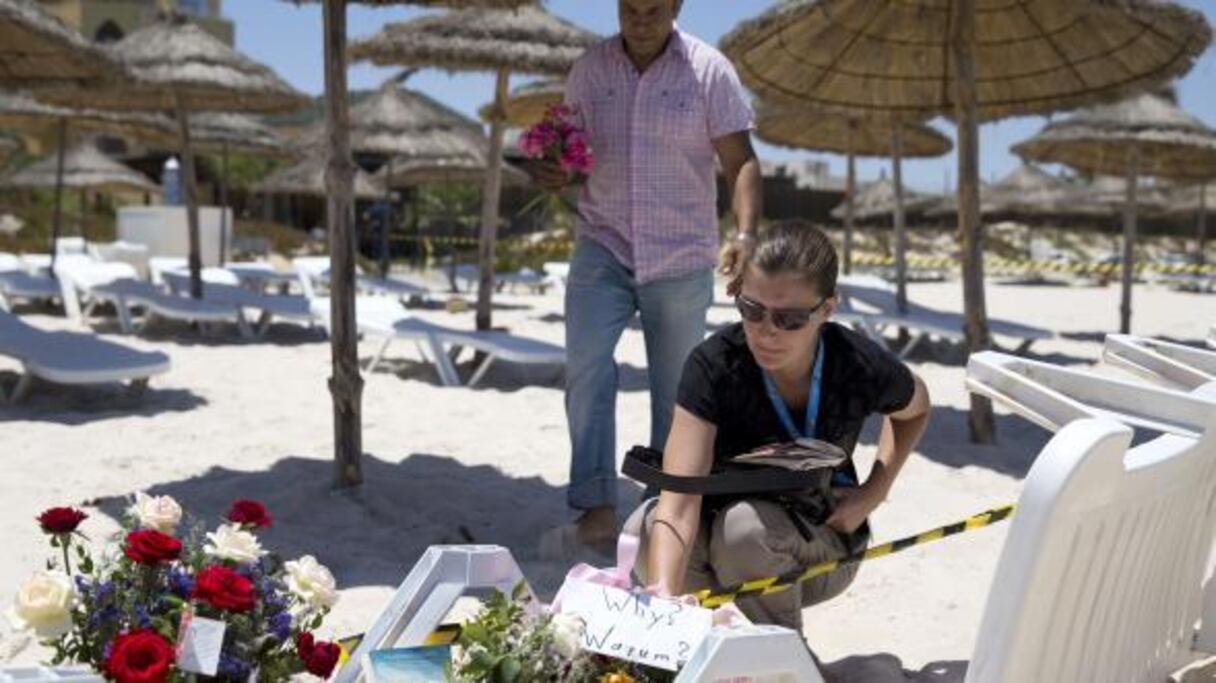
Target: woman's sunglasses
{"x": 786, "y": 319}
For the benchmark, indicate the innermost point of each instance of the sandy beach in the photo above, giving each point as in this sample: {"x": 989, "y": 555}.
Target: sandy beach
{"x": 488, "y": 465}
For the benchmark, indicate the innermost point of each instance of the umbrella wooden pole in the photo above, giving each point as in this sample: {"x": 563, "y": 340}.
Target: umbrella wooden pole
{"x": 386, "y": 220}
{"x": 850, "y": 189}
{"x": 190, "y": 185}
{"x": 901, "y": 236}
{"x": 345, "y": 385}
{"x": 61, "y": 140}
{"x": 1129, "y": 242}
{"x": 981, "y": 421}
{"x": 490, "y": 200}
{"x": 1201, "y": 225}
{"x": 83, "y": 198}
{"x": 223, "y": 204}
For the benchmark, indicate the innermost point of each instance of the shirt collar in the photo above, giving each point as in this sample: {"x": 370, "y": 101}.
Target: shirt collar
{"x": 677, "y": 46}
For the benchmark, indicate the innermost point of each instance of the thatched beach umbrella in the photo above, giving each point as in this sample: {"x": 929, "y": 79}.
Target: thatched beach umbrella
{"x": 25, "y": 113}
{"x": 223, "y": 133}
{"x": 870, "y": 136}
{"x": 179, "y": 67}
{"x": 878, "y": 200}
{"x": 527, "y": 103}
{"x": 525, "y": 40}
{"x": 38, "y": 49}
{"x": 307, "y": 177}
{"x": 1145, "y": 135}
{"x": 971, "y": 59}
{"x": 82, "y": 168}
{"x": 346, "y": 385}
{"x": 399, "y": 122}
{"x": 1025, "y": 192}
{"x": 465, "y": 168}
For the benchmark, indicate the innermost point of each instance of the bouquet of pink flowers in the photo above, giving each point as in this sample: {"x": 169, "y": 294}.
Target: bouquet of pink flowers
{"x": 132, "y": 611}
{"x": 557, "y": 139}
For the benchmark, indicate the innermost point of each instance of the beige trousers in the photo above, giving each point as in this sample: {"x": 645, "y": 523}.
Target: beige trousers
{"x": 752, "y": 539}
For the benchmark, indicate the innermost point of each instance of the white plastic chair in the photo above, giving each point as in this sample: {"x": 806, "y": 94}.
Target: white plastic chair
{"x": 1185, "y": 367}
{"x": 1101, "y": 577}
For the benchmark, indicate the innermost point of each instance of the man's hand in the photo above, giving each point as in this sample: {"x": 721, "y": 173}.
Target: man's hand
{"x": 853, "y": 505}
{"x": 733, "y": 260}
{"x": 551, "y": 176}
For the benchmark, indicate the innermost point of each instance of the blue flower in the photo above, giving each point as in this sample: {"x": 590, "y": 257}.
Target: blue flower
{"x": 180, "y": 583}
{"x": 141, "y": 616}
{"x": 233, "y": 669}
{"x": 280, "y": 626}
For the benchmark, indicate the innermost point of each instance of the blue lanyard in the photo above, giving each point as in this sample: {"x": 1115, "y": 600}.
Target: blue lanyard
{"x": 812, "y": 401}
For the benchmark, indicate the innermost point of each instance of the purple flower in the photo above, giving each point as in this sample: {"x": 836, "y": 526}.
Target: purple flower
{"x": 233, "y": 669}
{"x": 142, "y": 617}
{"x": 180, "y": 583}
{"x": 280, "y": 626}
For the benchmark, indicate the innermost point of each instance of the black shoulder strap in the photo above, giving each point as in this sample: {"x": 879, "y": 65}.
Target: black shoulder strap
{"x": 646, "y": 466}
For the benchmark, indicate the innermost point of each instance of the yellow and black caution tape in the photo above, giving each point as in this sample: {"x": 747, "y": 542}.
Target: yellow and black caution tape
{"x": 997, "y": 265}
{"x": 776, "y": 584}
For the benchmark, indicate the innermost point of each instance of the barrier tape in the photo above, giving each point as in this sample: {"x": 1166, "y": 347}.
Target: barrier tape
{"x": 776, "y": 584}
{"x": 996, "y": 265}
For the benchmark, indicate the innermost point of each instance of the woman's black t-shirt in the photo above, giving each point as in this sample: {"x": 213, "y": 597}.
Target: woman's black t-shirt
{"x": 723, "y": 385}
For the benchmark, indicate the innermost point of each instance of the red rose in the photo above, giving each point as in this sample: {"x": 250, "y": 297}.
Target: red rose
{"x": 142, "y": 656}
{"x": 61, "y": 520}
{"x": 149, "y": 546}
{"x": 224, "y": 589}
{"x": 249, "y": 513}
{"x": 319, "y": 657}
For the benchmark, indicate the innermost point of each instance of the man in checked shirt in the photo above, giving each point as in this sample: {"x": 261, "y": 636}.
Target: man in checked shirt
{"x": 658, "y": 106}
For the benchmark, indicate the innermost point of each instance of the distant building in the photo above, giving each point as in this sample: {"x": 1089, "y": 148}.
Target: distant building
{"x": 107, "y": 21}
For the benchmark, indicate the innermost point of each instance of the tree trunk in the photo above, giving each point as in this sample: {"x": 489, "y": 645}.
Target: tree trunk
{"x": 1201, "y": 225}
{"x": 61, "y": 140}
{"x": 850, "y": 189}
{"x": 490, "y": 200}
{"x": 981, "y": 422}
{"x": 345, "y": 385}
{"x": 386, "y": 219}
{"x": 190, "y": 185}
{"x": 901, "y": 236}
{"x": 1129, "y": 242}
{"x": 224, "y": 209}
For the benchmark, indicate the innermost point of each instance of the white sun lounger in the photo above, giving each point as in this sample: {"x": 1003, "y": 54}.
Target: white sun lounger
{"x": 73, "y": 358}
{"x": 16, "y": 285}
{"x": 313, "y": 273}
{"x": 438, "y": 344}
{"x": 290, "y": 307}
{"x": 1102, "y": 573}
{"x": 1185, "y": 367}
{"x": 869, "y": 302}
{"x": 128, "y": 295}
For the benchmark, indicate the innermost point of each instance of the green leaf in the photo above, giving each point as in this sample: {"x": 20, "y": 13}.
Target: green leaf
{"x": 508, "y": 670}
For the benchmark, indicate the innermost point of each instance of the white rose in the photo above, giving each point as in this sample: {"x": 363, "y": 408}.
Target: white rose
{"x": 156, "y": 512}
{"x": 311, "y": 582}
{"x": 44, "y": 604}
{"x": 230, "y": 542}
{"x": 567, "y": 634}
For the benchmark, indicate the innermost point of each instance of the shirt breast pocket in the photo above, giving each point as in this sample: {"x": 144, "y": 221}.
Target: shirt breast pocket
{"x": 681, "y": 114}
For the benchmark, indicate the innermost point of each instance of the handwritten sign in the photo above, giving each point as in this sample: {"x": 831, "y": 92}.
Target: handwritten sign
{"x": 199, "y": 643}
{"x": 641, "y": 628}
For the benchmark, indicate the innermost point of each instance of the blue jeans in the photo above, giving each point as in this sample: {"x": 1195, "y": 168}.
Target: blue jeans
{"x": 602, "y": 296}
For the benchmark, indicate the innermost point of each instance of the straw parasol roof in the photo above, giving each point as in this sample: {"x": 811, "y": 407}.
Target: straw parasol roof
{"x": 832, "y": 132}
{"x": 1034, "y": 56}
{"x": 452, "y": 168}
{"x": 877, "y": 199}
{"x": 1170, "y": 143}
{"x": 527, "y": 39}
{"x": 527, "y": 104}
{"x": 37, "y": 48}
{"x": 215, "y": 132}
{"x": 21, "y": 111}
{"x": 308, "y": 178}
{"x": 174, "y": 57}
{"x": 84, "y": 167}
{"x": 1027, "y": 190}
{"x": 397, "y": 121}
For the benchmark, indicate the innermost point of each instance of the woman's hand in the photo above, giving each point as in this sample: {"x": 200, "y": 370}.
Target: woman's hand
{"x": 853, "y": 505}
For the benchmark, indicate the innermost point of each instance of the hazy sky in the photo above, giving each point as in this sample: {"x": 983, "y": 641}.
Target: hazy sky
{"x": 288, "y": 38}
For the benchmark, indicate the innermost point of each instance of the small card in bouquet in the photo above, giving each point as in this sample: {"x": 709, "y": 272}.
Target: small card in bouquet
{"x": 408, "y": 664}
{"x": 799, "y": 455}
{"x": 642, "y": 628}
{"x": 199, "y": 644}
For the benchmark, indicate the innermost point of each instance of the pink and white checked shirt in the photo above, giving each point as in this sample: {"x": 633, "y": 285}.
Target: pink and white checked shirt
{"x": 652, "y": 198}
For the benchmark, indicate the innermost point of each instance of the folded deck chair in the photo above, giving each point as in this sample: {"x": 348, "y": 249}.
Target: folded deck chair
{"x": 1102, "y": 576}
{"x": 438, "y": 344}
{"x": 73, "y": 357}
{"x": 870, "y": 303}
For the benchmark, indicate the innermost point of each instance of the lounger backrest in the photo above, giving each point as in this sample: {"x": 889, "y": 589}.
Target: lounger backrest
{"x": 1178, "y": 365}
{"x": 1101, "y": 576}
{"x": 77, "y": 274}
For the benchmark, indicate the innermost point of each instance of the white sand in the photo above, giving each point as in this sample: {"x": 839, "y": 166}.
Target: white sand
{"x": 489, "y": 465}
